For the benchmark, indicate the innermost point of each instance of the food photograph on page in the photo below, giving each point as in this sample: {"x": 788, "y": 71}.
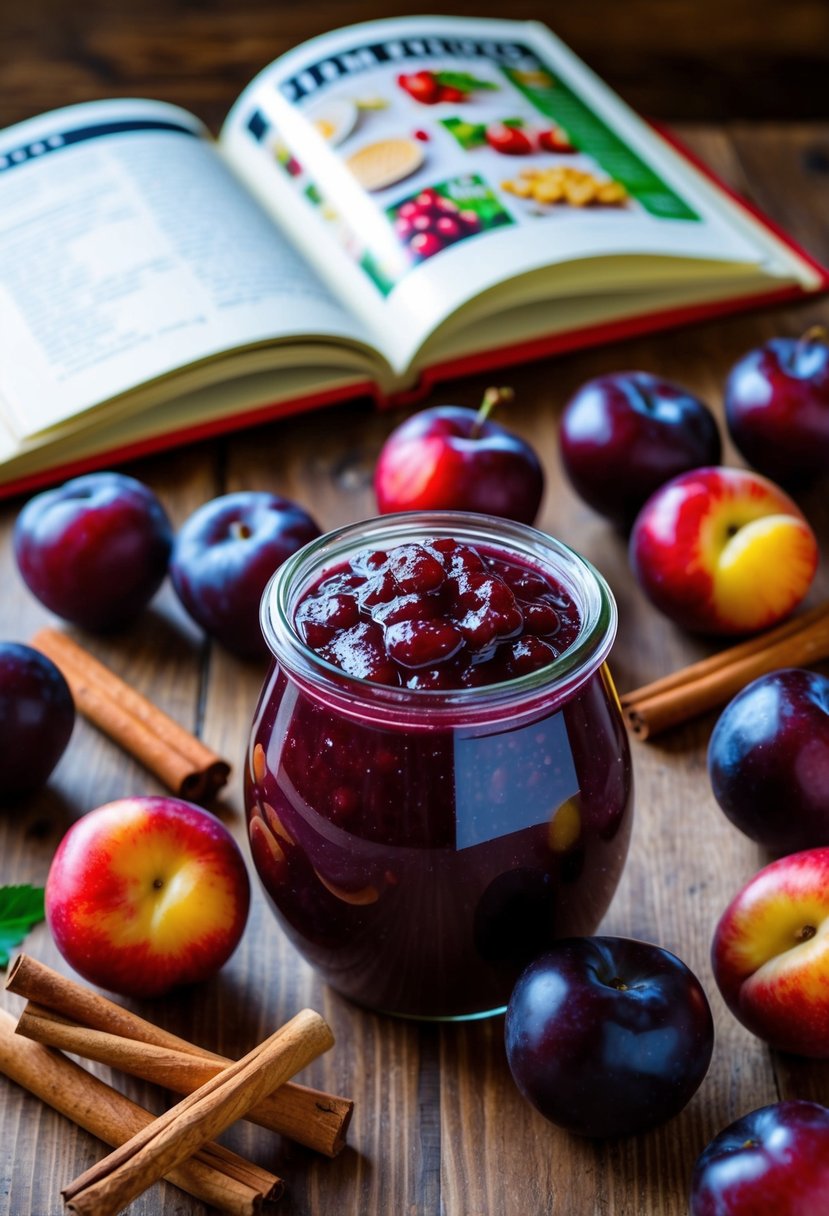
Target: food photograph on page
{"x": 414, "y": 610}
{"x": 492, "y": 116}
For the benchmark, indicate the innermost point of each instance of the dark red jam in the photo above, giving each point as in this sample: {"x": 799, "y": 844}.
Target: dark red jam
{"x": 438, "y": 615}
{"x": 421, "y": 860}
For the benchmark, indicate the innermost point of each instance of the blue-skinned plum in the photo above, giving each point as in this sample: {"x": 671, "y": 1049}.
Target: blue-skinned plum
{"x": 37, "y": 715}
{"x": 768, "y": 760}
{"x": 608, "y": 1036}
{"x": 94, "y": 550}
{"x": 777, "y": 407}
{"x": 624, "y": 435}
{"x": 224, "y": 556}
{"x": 771, "y": 1162}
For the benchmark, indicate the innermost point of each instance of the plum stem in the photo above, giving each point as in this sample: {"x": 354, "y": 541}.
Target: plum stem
{"x": 618, "y": 984}
{"x": 492, "y": 398}
{"x": 815, "y": 334}
{"x": 240, "y": 530}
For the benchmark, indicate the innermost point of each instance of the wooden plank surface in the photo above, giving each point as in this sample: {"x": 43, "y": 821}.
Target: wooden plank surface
{"x": 685, "y": 60}
{"x": 438, "y": 1125}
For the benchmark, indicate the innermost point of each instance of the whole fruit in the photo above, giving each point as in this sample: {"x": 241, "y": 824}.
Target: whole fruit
{"x": 770, "y": 954}
{"x": 94, "y": 550}
{"x": 777, "y": 407}
{"x": 509, "y": 140}
{"x": 606, "y": 1036}
{"x": 768, "y": 760}
{"x": 37, "y": 715}
{"x": 224, "y": 556}
{"x": 772, "y": 1162}
{"x": 425, "y": 244}
{"x": 452, "y": 457}
{"x": 723, "y": 551}
{"x": 423, "y": 86}
{"x": 430, "y": 222}
{"x": 146, "y": 894}
{"x": 554, "y": 140}
{"x": 624, "y": 435}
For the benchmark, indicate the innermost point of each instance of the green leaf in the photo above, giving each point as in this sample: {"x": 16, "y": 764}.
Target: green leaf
{"x": 468, "y": 134}
{"x": 20, "y": 909}
{"x": 463, "y": 81}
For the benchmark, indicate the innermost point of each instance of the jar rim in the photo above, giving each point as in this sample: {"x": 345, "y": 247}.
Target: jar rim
{"x": 558, "y": 679}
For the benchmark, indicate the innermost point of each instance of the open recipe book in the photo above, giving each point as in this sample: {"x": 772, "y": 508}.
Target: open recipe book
{"x": 386, "y": 206}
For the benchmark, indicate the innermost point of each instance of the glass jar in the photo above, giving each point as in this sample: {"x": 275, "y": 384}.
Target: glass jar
{"x": 420, "y": 847}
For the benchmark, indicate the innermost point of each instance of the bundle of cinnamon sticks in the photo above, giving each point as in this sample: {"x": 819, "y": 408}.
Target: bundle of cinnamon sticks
{"x": 694, "y": 690}
{"x": 62, "y": 1013}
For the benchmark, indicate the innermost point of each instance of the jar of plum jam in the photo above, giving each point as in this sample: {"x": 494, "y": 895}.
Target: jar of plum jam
{"x": 438, "y": 781}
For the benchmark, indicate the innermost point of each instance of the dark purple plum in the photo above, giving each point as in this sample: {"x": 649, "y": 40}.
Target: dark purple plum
{"x": 771, "y": 1162}
{"x": 224, "y": 556}
{"x": 777, "y": 407}
{"x": 768, "y": 760}
{"x": 625, "y": 434}
{"x": 37, "y": 715}
{"x": 94, "y": 550}
{"x": 607, "y": 1036}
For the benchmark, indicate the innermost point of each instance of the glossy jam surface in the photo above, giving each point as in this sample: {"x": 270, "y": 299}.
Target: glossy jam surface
{"x": 437, "y": 615}
{"x": 419, "y": 864}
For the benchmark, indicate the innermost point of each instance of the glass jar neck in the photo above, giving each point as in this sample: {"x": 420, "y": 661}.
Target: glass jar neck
{"x": 438, "y": 709}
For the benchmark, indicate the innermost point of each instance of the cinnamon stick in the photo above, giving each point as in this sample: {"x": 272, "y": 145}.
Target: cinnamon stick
{"x": 113, "y": 1183}
{"x": 312, "y": 1117}
{"x": 181, "y": 761}
{"x": 214, "y": 1174}
{"x": 705, "y": 685}
{"x": 175, "y": 1070}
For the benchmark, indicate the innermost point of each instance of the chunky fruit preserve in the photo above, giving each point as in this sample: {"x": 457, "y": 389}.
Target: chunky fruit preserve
{"x": 438, "y": 782}
{"x": 440, "y": 614}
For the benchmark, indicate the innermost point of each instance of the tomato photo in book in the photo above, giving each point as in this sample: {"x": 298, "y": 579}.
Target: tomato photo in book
{"x": 510, "y": 136}
{"x": 499, "y": 114}
{"x": 430, "y": 87}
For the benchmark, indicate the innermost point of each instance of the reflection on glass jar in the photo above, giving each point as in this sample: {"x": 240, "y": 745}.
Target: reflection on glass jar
{"x": 421, "y": 845}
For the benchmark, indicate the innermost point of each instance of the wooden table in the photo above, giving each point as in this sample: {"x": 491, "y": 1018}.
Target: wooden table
{"x": 438, "y": 1124}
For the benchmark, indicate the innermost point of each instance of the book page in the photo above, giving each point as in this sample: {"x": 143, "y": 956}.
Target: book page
{"x": 197, "y": 414}
{"x": 128, "y": 250}
{"x": 421, "y": 161}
